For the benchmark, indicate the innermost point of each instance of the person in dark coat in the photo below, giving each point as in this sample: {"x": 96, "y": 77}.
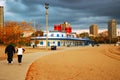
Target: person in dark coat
{"x": 10, "y": 50}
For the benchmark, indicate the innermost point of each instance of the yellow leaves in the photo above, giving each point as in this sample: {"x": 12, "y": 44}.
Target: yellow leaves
{"x": 12, "y": 31}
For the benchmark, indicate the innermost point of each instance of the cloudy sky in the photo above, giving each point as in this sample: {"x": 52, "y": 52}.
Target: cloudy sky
{"x": 79, "y": 13}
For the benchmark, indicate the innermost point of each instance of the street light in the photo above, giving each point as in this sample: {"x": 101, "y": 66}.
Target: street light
{"x": 46, "y": 7}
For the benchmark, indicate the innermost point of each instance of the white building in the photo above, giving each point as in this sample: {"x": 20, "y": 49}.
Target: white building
{"x": 60, "y": 39}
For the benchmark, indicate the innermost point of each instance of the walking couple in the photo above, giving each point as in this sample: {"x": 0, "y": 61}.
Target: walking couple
{"x": 10, "y": 51}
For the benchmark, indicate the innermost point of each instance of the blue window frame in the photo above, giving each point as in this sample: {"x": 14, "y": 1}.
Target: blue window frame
{"x": 58, "y": 43}
{"x": 62, "y": 35}
{"x": 52, "y": 35}
{"x": 48, "y": 43}
{"x": 57, "y": 35}
{"x": 41, "y": 43}
{"x": 45, "y": 35}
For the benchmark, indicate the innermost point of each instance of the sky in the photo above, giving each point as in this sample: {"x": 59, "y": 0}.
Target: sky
{"x": 79, "y": 13}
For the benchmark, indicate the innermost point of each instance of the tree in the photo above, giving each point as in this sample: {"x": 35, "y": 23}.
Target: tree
{"x": 1, "y": 34}
{"x": 84, "y": 34}
{"x": 38, "y": 33}
{"x": 14, "y": 31}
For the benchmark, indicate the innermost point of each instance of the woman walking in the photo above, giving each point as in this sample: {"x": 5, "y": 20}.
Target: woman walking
{"x": 20, "y": 51}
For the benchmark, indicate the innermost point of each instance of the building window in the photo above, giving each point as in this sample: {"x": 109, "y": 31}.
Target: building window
{"x": 48, "y": 43}
{"x": 41, "y": 43}
{"x": 52, "y": 35}
{"x": 73, "y": 36}
{"x": 62, "y": 35}
{"x": 57, "y": 35}
{"x": 58, "y": 43}
{"x": 45, "y": 35}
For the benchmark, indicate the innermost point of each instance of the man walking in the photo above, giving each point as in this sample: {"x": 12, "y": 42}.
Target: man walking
{"x": 10, "y": 50}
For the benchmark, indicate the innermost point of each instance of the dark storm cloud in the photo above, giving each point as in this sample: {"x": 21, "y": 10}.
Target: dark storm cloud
{"x": 79, "y": 13}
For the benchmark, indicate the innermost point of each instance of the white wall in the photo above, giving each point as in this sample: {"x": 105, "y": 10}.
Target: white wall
{"x": 54, "y": 34}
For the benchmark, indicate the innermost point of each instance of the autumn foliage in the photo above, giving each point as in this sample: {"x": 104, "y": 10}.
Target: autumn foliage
{"x": 13, "y": 32}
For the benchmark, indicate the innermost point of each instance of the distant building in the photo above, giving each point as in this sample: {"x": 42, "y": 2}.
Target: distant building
{"x": 94, "y": 30}
{"x": 1, "y": 16}
{"x": 112, "y": 30}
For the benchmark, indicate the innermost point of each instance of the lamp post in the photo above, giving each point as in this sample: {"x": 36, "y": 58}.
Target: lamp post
{"x": 46, "y": 7}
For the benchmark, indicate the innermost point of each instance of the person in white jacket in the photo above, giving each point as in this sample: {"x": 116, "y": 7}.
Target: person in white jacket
{"x": 20, "y": 51}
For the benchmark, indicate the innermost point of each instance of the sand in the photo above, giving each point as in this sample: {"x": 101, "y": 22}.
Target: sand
{"x": 74, "y": 63}
{"x": 80, "y": 63}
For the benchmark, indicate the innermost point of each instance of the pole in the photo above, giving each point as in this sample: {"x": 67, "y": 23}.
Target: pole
{"x": 46, "y": 6}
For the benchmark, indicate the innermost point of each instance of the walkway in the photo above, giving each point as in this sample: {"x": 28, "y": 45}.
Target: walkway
{"x": 18, "y": 72}
{"x": 15, "y": 71}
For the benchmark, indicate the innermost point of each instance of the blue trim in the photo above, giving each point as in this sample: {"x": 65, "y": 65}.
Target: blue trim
{"x": 61, "y": 38}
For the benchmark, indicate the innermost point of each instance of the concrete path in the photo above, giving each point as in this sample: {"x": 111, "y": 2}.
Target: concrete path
{"x": 15, "y": 71}
{"x": 18, "y": 72}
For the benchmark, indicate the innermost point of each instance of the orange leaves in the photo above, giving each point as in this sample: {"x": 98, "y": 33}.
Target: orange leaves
{"x": 12, "y": 31}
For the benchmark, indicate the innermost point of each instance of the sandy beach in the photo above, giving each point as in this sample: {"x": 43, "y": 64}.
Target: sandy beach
{"x": 80, "y": 63}
{"x": 69, "y": 63}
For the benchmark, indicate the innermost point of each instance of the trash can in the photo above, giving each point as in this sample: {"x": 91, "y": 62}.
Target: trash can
{"x": 92, "y": 45}
{"x": 33, "y": 46}
{"x": 68, "y": 45}
{"x": 97, "y": 45}
{"x": 53, "y": 47}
